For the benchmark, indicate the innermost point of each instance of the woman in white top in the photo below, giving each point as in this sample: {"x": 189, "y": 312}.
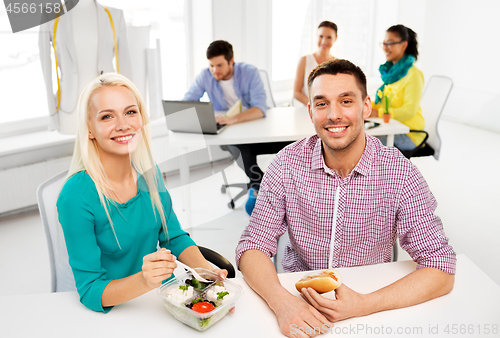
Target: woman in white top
{"x": 327, "y": 35}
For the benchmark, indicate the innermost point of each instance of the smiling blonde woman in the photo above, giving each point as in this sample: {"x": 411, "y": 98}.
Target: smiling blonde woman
{"x": 114, "y": 208}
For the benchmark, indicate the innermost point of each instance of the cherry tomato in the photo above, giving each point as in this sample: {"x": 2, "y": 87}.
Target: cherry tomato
{"x": 203, "y": 307}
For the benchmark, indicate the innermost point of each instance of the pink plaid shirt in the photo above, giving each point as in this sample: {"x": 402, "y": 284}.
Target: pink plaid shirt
{"x": 335, "y": 222}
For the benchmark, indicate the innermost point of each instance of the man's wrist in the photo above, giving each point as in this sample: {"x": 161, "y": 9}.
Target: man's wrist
{"x": 276, "y": 297}
{"x": 236, "y": 119}
{"x": 371, "y": 303}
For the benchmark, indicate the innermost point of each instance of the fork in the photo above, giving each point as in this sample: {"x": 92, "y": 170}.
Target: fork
{"x": 193, "y": 271}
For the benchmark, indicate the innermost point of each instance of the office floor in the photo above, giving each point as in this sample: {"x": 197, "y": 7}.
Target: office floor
{"x": 464, "y": 183}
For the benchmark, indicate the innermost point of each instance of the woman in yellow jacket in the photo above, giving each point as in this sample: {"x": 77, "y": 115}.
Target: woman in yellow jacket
{"x": 406, "y": 81}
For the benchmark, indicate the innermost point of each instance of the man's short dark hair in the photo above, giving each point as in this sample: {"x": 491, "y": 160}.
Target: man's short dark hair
{"x": 339, "y": 66}
{"x": 220, "y": 47}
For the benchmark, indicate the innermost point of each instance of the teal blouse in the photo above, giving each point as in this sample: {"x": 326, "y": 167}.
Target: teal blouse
{"x": 95, "y": 256}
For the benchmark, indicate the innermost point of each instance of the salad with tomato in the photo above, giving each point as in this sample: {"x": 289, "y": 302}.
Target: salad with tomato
{"x": 197, "y": 304}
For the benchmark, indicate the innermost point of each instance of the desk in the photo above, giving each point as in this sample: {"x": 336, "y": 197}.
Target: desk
{"x": 280, "y": 124}
{"x": 474, "y": 301}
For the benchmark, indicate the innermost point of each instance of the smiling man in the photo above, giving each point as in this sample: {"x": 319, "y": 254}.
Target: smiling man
{"x": 344, "y": 199}
{"x": 226, "y": 82}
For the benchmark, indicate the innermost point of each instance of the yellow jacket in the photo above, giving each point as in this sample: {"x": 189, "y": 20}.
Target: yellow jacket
{"x": 405, "y": 107}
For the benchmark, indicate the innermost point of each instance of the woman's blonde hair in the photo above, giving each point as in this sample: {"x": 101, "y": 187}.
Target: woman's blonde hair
{"x": 86, "y": 154}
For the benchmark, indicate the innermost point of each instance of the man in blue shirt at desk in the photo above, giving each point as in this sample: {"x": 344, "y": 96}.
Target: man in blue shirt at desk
{"x": 226, "y": 82}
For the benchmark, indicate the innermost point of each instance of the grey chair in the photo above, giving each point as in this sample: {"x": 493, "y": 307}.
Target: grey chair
{"x": 60, "y": 271}
{"x": 433, "y": 101}
{"x": 226, "y": 185}
{"x": 282, "y": 242}
{"x": 267, "y": 86}
{"x": 395, "y": 252}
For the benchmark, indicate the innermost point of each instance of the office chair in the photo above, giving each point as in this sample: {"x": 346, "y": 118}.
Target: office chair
{"x": 242, "y": 186}
{"x": 283, "y": 241}
{"x": 395, "y": 252}
{"x": 269, "y": 103}
{"x": 433, "y": 101}
{"x": 218, "y": 260}
{"x": 280, "y": 253}
{"x": 267, "y": 86}
{"x": 61, "y": 275}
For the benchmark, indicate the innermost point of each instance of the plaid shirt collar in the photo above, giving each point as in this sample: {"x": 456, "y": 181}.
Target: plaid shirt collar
{"x": 362, "y": 167}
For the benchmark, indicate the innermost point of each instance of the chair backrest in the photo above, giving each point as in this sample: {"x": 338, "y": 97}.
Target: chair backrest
{"x": 220, "y": 261}
{"x": 61, "y": 274}
{"x": 432, "y": 103}
{"x": 267, "y": 86}
{"x": 282, "y": 242}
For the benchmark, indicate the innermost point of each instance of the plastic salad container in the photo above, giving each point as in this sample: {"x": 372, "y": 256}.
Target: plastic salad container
{"x": 177, "y": 296}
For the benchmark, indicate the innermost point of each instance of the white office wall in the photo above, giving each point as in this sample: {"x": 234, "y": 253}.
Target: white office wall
{"x": 257, "y": 33}
{"x": 200, "y": 33}
{"x": 229, "y": 21}
{"x": 458, "y": 39}
{"x": 172, "y": 32}
{"x": 461, "y": 41}
{"x": 246, "y": 25}
{"x": 291, "y": 34}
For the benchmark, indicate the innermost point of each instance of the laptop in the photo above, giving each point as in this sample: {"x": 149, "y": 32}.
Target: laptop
{"x": 191, "y": 117}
